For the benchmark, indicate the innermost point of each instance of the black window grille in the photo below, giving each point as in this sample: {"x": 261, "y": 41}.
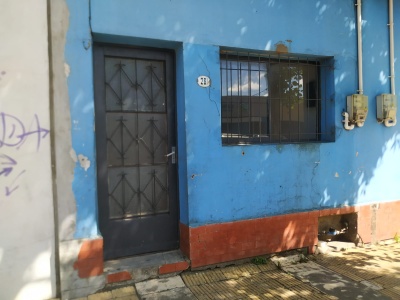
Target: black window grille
{"x": 275, "y": 99}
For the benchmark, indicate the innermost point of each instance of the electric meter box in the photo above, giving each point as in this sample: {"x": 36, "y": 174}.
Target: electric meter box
{"x": 386, "y": 107}
{"x": 357, "y": 107}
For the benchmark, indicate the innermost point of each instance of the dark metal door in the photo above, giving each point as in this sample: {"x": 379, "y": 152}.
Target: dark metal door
{"x": 136, "y": 159}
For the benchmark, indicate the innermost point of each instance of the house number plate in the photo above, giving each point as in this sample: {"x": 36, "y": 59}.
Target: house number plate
{"x": 204, "y": 81}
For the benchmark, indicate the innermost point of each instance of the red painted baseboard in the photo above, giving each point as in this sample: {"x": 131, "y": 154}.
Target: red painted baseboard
{"x": 217, "y": 243}
{"x": 90, "y": 260}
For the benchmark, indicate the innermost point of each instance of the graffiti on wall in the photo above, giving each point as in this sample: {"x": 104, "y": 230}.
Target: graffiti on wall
{"x": 15, "y": 134}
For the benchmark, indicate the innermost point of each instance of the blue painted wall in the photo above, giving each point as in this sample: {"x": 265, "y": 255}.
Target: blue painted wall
{"x": 218, "y": 183}
{"x": 78, "y": 56}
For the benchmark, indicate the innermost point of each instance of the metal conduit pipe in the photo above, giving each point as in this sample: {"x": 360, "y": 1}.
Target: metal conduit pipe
{"x": 387, "y": 122}
{"x": 391, "y": 45}
{"x": 359, "y": 49}
{"x": 347, "y": 118}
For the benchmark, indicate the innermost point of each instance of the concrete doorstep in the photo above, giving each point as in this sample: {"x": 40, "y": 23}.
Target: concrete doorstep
{"x": 153, "y": 289}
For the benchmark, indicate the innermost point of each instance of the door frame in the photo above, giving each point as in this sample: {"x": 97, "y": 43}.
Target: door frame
{"x": 100, "y": 51}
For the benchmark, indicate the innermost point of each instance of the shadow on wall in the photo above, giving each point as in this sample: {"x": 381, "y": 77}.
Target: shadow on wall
{"x": 370, "y": 178}
{"x": 27, "y": 249}
{"x": 367, "y": 168}
{"x": 29, "y": 271}
{"x": 359, "y": 168}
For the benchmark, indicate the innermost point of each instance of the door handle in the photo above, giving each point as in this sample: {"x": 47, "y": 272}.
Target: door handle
{"x": 171, "y": 154}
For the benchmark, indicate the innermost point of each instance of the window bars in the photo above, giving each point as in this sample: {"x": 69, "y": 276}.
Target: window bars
{"x": 272, "y": 99}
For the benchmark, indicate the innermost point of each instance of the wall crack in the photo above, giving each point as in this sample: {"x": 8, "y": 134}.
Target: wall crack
{"x": 209, "y": 88}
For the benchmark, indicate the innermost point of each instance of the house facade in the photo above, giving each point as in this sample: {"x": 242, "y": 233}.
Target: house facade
{"x": 225, "y": 129}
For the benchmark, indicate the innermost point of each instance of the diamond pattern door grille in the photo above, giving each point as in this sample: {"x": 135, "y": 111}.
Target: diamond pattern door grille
{"x": 137, "y": 144}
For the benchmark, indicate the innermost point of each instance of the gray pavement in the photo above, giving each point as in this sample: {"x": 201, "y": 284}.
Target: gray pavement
{"x": 369, "y": 272}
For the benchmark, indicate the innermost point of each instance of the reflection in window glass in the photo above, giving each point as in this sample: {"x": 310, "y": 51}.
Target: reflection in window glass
{"x": 269, "y": 99}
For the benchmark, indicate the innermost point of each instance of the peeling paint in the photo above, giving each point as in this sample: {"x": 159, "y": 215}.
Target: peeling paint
{"x": 195, "y": 175}
{"x": 72, "y": 153}
{"x": 84, "y": 161}
{"x": 67, "y": 70}
{"x": 87, "y": 43}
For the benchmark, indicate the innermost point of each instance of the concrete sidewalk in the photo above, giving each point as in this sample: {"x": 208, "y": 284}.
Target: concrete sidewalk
{"x": 371, "y": 272}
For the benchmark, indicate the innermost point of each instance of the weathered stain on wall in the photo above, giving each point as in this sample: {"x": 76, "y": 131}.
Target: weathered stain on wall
{"x": 62, "y": 122}
{"x": 281, "y": 48}
{"x": 84, "y": 161}
{"x": 77, "y": 54}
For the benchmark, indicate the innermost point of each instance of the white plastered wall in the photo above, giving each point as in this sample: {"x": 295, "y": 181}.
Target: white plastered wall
{"x": 27, "y": 262}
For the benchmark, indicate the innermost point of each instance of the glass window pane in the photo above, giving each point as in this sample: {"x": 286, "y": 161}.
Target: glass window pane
{"x": 266, "y": 99}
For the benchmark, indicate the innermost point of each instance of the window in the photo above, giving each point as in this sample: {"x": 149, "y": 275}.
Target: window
{"x": 276, "y": 99}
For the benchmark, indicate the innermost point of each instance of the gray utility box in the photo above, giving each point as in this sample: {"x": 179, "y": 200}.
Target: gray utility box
{"x": 357, "y": 107}
{"x": 386, "y": 107}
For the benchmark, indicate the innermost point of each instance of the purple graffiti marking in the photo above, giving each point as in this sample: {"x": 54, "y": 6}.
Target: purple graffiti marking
{"x": 14, "y": 134}
{"x": 6, "y": 164}
{"x": 12, "y": 188}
